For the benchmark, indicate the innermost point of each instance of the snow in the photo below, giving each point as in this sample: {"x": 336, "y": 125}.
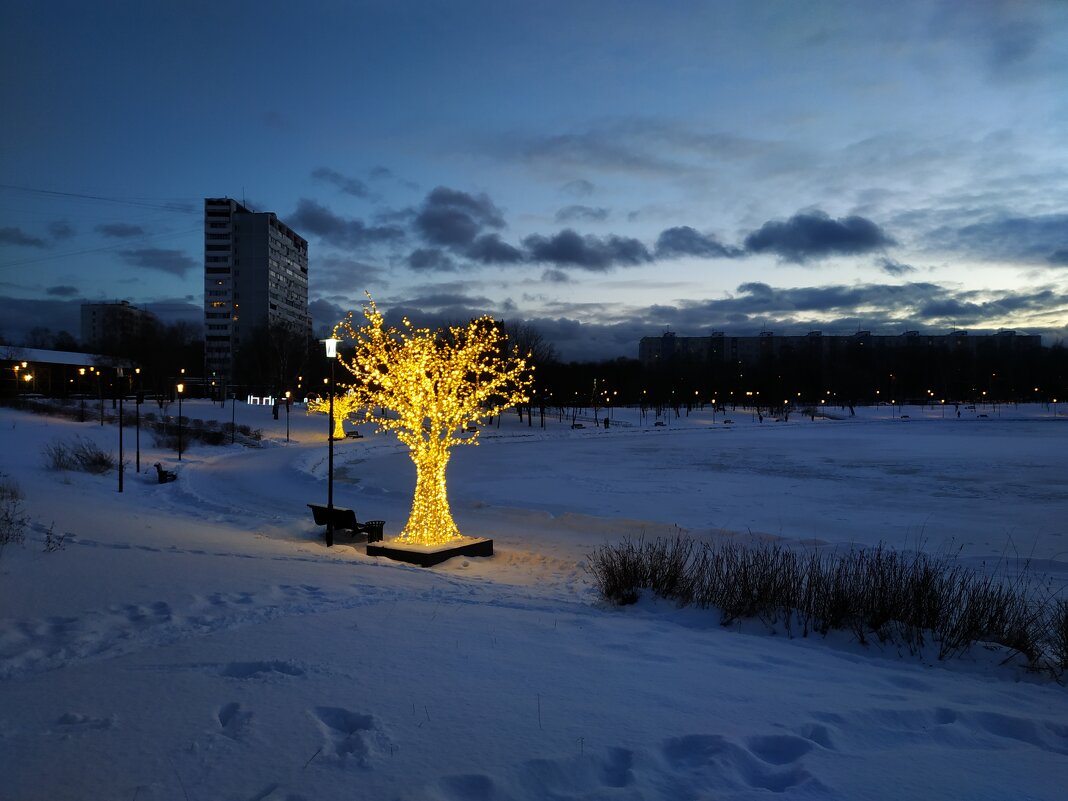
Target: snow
{"x": 196, "y": 640}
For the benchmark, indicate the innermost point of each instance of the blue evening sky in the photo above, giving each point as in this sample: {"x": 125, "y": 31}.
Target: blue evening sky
{"x": 603, "y": 170}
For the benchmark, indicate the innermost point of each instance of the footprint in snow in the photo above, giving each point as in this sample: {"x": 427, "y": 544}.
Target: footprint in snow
{"x": 350, "y": 735}
{"x": 233, "y": 721}
{"x": 769, "y": 763}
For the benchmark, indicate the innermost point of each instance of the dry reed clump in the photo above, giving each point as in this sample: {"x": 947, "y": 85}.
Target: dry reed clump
{"x": 906, "y": 598}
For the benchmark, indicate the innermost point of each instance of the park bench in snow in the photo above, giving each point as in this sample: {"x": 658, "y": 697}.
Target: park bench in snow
{"x": 346, "y": 519}
{"x": 165, "y": 475}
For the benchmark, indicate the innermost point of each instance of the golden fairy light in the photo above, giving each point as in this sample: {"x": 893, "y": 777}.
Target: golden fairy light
{"x": 345, "y": 406}
{"x": 427, "y": 387}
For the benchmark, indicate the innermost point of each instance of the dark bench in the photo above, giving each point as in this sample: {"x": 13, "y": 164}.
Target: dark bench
{"x": 346, "y": 519}
{"x": 165, "y": 475}
{"x": 353, "y": 435}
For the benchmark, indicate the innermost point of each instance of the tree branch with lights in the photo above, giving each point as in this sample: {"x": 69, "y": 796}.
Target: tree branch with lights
{"x": 431, "y": 389}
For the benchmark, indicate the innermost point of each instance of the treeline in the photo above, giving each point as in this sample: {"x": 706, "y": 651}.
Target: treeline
{"x": 278, "y": 359}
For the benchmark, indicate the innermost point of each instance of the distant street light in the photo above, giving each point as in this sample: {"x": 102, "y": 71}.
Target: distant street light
{"x": 181, "y": 389}
{"x": 288, "y": 395}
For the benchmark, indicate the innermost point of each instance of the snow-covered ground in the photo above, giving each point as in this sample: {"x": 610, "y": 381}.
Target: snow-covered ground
{"x": 196, "y": 640}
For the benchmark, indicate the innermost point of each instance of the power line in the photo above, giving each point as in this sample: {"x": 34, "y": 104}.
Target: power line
{"x": 173, "y": 207}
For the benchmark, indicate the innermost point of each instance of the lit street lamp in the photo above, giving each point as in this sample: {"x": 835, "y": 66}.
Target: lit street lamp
{"x": 81, "y": 391}
{"x": 138, "y": 400}
{"x": 181, "y": 389}
{"x": 331, "y": 353}
{"x": 288, "y": 394}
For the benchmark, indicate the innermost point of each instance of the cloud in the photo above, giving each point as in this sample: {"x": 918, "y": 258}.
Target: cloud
{"x": 430, "y": 259}
{"x": 1038, "y": 239}
{"x": 490, "y": 249}
{"x": 449, "y": 300}
{"x": 16, "y": 236}
{"x": 589, "y": 252}
{"x": 581, "y": 213}
{"x": 813, "y": 235}
{"x": 636, "y": 146}
{"x": 62, "y": 291}
{"x": 61, "y": 229}
{"x": 554, "y": 276}
{"x": 894, "y": 267}
{"x": 325, "y": 315}
{"x": 451, "y": 218}
{"x": 174, "y": 262}
{"x": 350, "y": 186}
{"x": 331, "y": 273}
{"x": 578, "y": 188}
{"x": 882, "y": 308}
{"x": 685, "y": 241}
{"x": 120, "y": 230}
{"x": 1059, "y": 257}
{"x": 351, "y": 234}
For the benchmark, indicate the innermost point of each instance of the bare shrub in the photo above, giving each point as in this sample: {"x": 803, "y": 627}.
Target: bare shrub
{"x": 13, "y": 520}
{"x": 1057, "y": 629}
{"x": 54, "y": 542}
{"x": 876, "y": 593}
{"x": 78, "y": 454}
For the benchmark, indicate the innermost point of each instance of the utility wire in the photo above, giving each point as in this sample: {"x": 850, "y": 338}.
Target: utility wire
{"x": 174, "y": 207}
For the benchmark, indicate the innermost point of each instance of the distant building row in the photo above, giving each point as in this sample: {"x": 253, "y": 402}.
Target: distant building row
{"x": 718, "y": 348}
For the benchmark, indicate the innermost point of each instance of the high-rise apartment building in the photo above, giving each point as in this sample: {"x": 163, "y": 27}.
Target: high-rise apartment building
{"x": 255, "y": 276}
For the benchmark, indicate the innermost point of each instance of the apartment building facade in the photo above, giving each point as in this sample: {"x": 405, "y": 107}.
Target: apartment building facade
{"x": 255, "y": 276}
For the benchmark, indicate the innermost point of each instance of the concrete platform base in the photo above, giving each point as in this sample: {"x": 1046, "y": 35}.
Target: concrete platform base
{"x": 429, "y": 556}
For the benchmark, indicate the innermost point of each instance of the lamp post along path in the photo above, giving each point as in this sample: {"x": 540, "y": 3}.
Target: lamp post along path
{"x": 331, "y": 353}
{"x": 120, "y": 375}
{"x": 181, "y": 389}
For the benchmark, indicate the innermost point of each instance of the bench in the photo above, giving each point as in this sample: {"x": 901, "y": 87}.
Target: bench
{"x": 346, "y": 519}
{"x": 165, "y": 475}
{"x": 353, "y": 435}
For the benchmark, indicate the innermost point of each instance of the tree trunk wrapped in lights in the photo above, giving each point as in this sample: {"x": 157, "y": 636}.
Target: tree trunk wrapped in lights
{"x": 429, "y": 388}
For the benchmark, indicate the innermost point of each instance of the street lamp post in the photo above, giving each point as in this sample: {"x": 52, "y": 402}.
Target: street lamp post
{"x": 288, "y": 395}
{"x": 119, "y": 373}
{"x": 138, "y": 400}
{"x": 331, "y": 353}
{"x": 81, "y": 391}
{"x": 100, "y": 386}
{"x": 181, "y": 389}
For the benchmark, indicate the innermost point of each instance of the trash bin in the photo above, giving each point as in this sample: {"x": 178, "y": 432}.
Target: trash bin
{"x": 374, "y": 530}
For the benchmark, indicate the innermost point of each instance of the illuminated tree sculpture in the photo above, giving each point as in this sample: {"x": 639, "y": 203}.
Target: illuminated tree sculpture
{"x": 345, "y": 406}
{"x": 429, "y": 388}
